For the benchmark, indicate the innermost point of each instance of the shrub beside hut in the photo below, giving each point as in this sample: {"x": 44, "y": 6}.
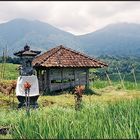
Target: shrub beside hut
{"x": 61, "y": 68}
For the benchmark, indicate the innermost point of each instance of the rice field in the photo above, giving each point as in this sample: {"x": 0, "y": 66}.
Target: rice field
{"x": 128, "y": 85}
{"x": 114, "y": 120}
{"x": 107, "y": 112}
{"x": 10, "y": 72}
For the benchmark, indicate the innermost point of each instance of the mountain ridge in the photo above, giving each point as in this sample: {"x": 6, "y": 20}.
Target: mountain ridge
{"x": 114, "y": 39}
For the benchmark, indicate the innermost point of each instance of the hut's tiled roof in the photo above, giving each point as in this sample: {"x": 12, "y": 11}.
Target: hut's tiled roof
{"x": 65, "y": 57}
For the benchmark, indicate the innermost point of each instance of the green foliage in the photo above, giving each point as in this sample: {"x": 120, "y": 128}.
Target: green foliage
{"x": 112, "y": 121}
{"x": 127, "y": 84}
{"x": 11, "y": 72}
{"x": 124, "y": 64}
{"x": 99, "y": 84}
{"x": 9, "y": 59}
{"x": 117, "y": 65}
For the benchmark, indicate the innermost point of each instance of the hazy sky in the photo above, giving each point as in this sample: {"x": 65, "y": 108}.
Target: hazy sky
{"x": 78, "y": 17}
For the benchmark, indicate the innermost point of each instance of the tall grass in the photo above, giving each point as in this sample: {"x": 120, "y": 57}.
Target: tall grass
{"x": 127, "y": 84}
{"x": 11, "y": 72}
{"x": 115, "y": 120}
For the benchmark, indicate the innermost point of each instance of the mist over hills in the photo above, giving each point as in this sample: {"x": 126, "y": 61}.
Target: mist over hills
{"x": 115, "y": 39}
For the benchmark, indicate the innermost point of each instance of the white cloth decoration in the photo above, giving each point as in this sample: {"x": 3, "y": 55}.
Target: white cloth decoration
{"x": 34, "y": 90}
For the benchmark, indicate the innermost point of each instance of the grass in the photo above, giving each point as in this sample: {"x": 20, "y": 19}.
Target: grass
{"x": 110, "y": 112}
{"x": 11, "y": 72}
{"x": 113, "y": 114}
{"x": 107, "y": 94}
{"x": 113, "y": 120}
{"x": 127, "y": 84}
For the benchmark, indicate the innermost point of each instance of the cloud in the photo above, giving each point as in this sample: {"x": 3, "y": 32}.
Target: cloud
{"x": 77, "y": 17}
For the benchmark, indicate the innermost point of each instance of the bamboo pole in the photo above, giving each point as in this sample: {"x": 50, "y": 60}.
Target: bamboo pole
{"x": 121, "y": 80}
{"x": 133, "y": 72}
{"x": 5, "y": 60}
{"x": 5, "y": 57}
{"x": 110, "y": 82}
{"x": 2, "y": 65}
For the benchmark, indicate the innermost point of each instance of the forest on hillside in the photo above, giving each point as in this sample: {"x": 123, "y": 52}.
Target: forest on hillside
{"x": 128, "y": 67}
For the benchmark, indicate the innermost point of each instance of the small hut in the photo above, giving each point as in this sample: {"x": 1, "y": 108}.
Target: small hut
{"x": 61, "y": 68}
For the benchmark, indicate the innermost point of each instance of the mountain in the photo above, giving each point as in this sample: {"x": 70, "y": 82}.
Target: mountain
{"x": 40, "y": 36}
{"x": 115, "y": 39}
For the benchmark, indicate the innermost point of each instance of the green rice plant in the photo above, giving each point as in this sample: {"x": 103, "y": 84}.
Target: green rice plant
{"x": 99, "y": 84}
{"x": 113, "y": 121}
{"x": 133, "y": 72}
{"x": 127, "y": 84}
{"x": 11, "y": 72}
